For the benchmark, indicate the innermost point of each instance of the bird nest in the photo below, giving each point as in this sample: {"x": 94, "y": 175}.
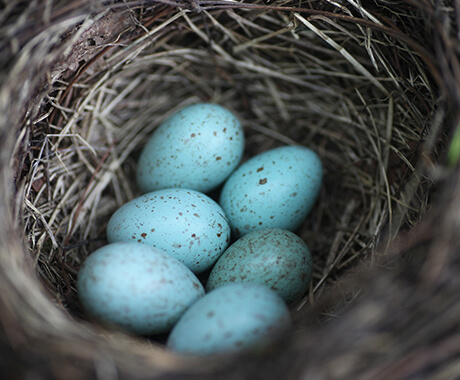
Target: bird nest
{"x": 371, "y": 86}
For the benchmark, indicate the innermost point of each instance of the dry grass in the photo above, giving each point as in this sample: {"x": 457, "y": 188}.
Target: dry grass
{"x": 357, "y": 82}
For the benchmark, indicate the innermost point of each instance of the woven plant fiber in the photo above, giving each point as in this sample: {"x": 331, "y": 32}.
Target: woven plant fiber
{"x": 372, "y": 86}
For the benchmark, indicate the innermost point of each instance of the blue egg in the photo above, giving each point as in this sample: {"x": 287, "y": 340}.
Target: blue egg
{"x": 229, "y": 319}
{"x": 186, "y": 224}
{"x": 276, "y": 258}
{"x": 196, "y": 148}
{"x": 136, "y": 288}
{"x": 275, "y": 189}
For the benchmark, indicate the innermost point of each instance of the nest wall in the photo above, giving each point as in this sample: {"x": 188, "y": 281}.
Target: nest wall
{"x": 370, "y": 86}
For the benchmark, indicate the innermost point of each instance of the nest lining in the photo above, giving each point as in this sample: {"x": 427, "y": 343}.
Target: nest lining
{"x": 363, "y": 99}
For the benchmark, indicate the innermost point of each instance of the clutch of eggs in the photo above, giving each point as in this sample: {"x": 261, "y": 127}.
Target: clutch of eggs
{"x": 143, "y": 281}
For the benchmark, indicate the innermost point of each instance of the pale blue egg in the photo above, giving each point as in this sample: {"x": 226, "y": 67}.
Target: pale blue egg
{"x": 186, "y": 224}
{"x": 275, "y": 189}
{"x": 276, "y": 258}
{"x": 196, "y": 148}
{"x": 137, "y": 288}
{"x": 232, "y": 318}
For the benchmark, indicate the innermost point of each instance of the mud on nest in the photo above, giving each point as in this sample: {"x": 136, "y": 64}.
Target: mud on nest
{"x": 370, "y": 87}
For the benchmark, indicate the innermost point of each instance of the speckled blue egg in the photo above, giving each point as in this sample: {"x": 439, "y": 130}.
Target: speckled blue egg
{"x": 232, "y": 318}
{"x": 196, "y": 148}
{"x": 276, "y": 258}
{"x": 186, "y": 224}
{"x": 137, "y": 288}
{"x": 275, "y": 189}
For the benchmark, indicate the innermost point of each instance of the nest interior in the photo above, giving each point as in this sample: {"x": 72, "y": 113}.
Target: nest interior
{"x": 370, "y": 86}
